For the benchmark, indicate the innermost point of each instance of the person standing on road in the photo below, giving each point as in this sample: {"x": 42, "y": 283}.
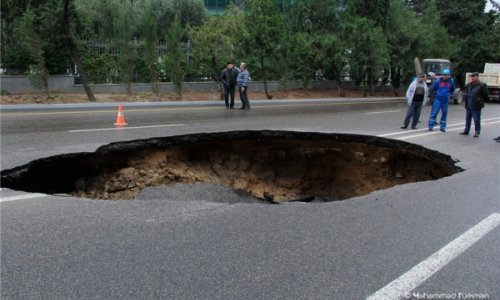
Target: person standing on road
{"x": 477, "y": 94}
{"x": 416, "y": 96}
{"x": 242, "y": 82}
{"x": 442, "y": 89}
{"x": 228, "y": 77}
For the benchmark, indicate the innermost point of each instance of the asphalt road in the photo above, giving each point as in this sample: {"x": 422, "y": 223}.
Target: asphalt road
{"x": 416, "y": 241}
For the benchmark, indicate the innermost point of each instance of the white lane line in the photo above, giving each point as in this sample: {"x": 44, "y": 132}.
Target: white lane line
{"x": 484, "y": 121}
{"x": 123, "y": 128}
{"x": 22, "y": 197}
{"x": 436, "y": 131}
{"x": 382, "y": 112}
{"x": 422, "y": 129}
{"x": 402, "y": 286}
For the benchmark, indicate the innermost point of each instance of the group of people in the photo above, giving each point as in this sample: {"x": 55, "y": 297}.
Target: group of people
{"x": 442, "y": 87}
{"x": 416, "y": 96}
{"x": 233, "y": 77}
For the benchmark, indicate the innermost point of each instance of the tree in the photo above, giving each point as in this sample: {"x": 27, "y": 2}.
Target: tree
{"x": 264, "y": 23}
{"x": 369, "y": 55}
{"x": 123, "y": 25}
{"x": 375, "y": 10}
{"x": 302, "y": 55}
{"x": 190, "y": 13}
{"x": 174, "y": 55}
{"x": 214, "y": 43}
{"x": 403, "y": 34}
{"x": 31, "y": 49}
{"x": 330, "y": 56}
{"x": 473, "y": 31}
{"x": 150, "y": 54}
{"x": 69, "y": 42}
{"x": 320, "y": 34}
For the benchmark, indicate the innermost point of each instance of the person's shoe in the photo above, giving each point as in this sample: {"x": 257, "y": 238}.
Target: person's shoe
{"x": 464, "y": 133}
{"x": 242, "y": 107}
{"x": 497, "y": 139}
{"x": 476, "y": 134}
{"x": 404, "y": 127}
{"x": 431, "y": 129}
{"x": 442, "y": 129}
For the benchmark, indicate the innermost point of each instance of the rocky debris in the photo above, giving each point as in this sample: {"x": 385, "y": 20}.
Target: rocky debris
{"x": 274, "y": 166}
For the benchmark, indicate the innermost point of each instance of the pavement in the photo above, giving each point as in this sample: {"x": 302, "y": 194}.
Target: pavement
{"x": 427, "y": 239}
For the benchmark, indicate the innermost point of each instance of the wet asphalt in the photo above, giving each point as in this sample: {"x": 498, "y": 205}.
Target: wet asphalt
{"x": 210, "y": 242}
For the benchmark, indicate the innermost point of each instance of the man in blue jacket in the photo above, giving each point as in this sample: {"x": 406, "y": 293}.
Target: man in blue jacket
{"x": 442, "y": 88}
{"x": 242, "y": 81}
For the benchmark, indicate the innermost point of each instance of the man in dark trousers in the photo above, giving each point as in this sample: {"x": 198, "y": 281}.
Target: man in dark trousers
{"x": 242, "y": 81}
{"x": 416, "y": 96}
{"x": 477, "y": 94}
{"x": 228, "y": 77}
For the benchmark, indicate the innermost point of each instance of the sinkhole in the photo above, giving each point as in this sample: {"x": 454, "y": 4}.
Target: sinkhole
{"x": 274, "y": 166}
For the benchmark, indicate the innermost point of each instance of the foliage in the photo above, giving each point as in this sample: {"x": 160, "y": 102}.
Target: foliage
{"x": 124, "y": 28}
{"x": 149, "y": 32}
{"x": 365, "y": 40}
{"x": 216, "y": 42}
{"x": 174, "y": 58}
{"x": 474, "y": 32}
{"x": 264, "y": 24}
{"x": 368, "y": 51}
{"x": 29, "y": 45}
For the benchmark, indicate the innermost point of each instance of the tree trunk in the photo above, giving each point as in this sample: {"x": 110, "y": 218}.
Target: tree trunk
{"x": 220, "y": 85}
{"x": 370, "y": 82}
{"x": 338, "y": 82}
{"x": 154, "y": 79}
{"x": 73, "y": 50}
{"x": 264, "y": 77}
{"x": 396, "y": 80}
{"x": 129, "y": 87}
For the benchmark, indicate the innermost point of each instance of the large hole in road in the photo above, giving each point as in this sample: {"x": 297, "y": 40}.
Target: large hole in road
{"x": 274, "y": 166}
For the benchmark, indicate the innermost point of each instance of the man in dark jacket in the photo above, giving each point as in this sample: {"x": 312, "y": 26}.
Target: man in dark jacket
{"x": 228, "y": 77}
{"x": 477, "y": 94}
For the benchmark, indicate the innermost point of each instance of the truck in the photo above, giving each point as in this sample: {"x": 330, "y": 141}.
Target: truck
{"x": 436, "y": 66}
{"x": 490, "y": 76}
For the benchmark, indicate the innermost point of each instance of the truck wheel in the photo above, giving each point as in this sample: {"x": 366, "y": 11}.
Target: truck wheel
{"x": 457, "y": 96}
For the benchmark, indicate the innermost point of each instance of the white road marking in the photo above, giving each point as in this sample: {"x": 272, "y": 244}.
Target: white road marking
{"x": 436, "y": 129}
{"x": 22, "y": 197}
{"x": 382, "y": 112}
{"x": 495, "y": 122}
{"x": 402, "y": 286}
{"x": 123, "y": 128}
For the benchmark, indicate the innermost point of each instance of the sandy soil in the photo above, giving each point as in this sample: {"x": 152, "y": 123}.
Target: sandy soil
{"x": 54, "y": 98}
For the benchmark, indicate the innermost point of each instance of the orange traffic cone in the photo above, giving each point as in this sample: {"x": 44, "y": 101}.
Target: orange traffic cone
{"x": 120, "y": 118}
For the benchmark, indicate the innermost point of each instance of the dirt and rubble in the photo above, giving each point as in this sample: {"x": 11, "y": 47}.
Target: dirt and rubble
{"x": 273, "y": 166}
{"x": 58, "y": 98}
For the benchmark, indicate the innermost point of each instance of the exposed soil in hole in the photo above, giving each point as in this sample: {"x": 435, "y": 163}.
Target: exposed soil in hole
{"x": 275, "y": 166}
